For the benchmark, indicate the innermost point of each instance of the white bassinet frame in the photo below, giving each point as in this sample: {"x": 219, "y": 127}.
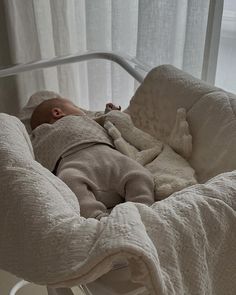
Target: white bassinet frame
{"x": 131, "y": 65}
{"x": 135, "y": 68}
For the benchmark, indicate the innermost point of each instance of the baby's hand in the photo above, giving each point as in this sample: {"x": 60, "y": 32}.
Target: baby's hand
{"x": 112, "y": 130}
{"x": 111, "y": 107}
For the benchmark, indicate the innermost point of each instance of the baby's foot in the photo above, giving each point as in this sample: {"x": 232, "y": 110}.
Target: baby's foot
{"x": 180, "y": 139}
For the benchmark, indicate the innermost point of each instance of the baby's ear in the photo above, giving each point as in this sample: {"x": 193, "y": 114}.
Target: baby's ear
{"x": 57, "y": 113}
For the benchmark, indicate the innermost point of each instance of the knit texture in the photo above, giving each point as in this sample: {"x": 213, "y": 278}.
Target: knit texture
{"x": 52, "y": 141}
{"x": 184, "y": 244}
{"x": 171, "y": 170}
{"x": 210, "y": 113}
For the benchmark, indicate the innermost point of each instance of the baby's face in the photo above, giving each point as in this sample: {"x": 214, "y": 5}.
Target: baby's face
{"x": 70, "y": 109}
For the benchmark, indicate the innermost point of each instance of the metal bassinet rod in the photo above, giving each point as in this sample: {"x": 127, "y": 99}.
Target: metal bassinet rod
{"x": 124, "y": 61}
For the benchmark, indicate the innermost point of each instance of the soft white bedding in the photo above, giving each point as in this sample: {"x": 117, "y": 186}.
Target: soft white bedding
{"x": 171, "y": 171}
{"x": 167, "y": 161}
{"x": 211, "y": 114}
{"x": 185, "y": 244}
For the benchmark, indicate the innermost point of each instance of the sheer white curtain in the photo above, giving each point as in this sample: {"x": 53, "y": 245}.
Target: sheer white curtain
{"x": 154, "y": 31}
{"x": 226, "y": 66}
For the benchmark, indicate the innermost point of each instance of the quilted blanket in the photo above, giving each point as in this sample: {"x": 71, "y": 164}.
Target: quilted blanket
{"x": 185, "y": 244}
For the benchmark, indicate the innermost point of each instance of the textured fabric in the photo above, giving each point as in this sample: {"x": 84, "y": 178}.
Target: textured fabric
{"x": 171, "y": 172}
{"x": 182, "y": 245}
{"x": 53, "y": 141}
{"x": 102, "y": 177}
{"x": 210, "y": 114}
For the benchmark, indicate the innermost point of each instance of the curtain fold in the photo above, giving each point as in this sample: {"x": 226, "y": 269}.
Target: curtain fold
{"x": 226, "y": 65}
{"x": 9, "y": 101}
{"x": 154, "y": 31}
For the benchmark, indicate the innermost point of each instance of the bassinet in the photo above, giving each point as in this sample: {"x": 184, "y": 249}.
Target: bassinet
{"x": 185, "y": 244}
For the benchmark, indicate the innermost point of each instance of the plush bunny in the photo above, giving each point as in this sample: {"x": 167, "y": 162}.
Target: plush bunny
{"x": 130, "y": 140}
{"x": 121, "y": 128}
{"x": 166, "y": 162}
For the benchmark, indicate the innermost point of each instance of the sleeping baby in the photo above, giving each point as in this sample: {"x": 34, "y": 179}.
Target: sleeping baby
{"x": 81, "y": 153}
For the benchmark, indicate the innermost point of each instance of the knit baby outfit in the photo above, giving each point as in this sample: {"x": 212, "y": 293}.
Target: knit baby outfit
{"x": 99, "y": 175}
{"x": 53, "y": 141}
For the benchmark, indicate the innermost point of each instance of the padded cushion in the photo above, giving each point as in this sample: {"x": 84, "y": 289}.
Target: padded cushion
{"x": 34, "y": 203}
{"x": 210, "y": 114}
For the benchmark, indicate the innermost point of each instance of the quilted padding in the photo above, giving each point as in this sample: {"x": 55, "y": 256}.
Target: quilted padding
{"x": 210, "y": 114}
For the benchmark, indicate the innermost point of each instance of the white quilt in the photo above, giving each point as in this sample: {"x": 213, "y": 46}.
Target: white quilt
{"x": 185, "y": 244}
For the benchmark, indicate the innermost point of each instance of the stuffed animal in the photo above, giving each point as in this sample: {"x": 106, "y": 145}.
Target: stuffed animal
{"x": 121, "y": 128}
{"x": 166, "y": 161}
{"x": 131, "y": 141}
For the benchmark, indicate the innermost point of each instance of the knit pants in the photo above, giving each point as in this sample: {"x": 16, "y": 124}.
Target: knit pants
{"x": 101, "y": 177}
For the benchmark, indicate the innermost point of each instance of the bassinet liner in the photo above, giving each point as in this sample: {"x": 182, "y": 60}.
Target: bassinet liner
{"x": 170, "y": 247}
